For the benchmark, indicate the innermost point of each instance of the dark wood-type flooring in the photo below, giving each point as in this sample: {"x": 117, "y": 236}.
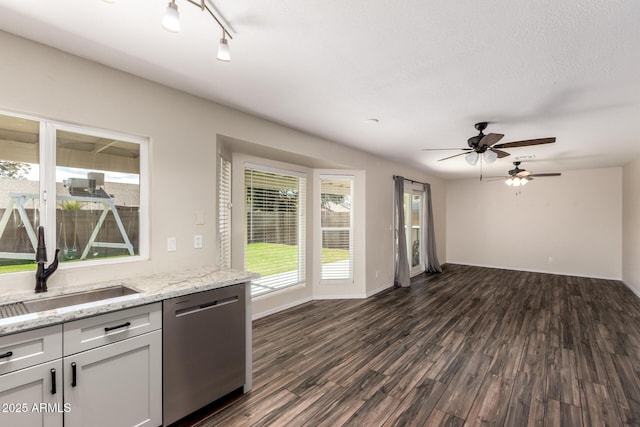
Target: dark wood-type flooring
{"x": 470, "y": 346}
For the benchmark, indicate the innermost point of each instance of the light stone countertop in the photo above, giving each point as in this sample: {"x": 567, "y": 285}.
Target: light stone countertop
{"x": 151, "y": 289}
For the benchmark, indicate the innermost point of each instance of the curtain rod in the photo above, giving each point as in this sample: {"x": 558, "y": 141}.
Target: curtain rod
{"x": 410, "y": 180}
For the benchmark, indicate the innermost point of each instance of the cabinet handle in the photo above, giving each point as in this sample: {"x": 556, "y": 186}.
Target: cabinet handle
{"x": 74, "y": 381}
{"x": 53, "y": 381}
{"x": 111, "y": 328}
{"x": 7, "y": 354}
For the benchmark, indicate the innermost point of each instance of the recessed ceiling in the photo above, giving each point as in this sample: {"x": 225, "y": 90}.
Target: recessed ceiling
{"x": 426, "y": 70}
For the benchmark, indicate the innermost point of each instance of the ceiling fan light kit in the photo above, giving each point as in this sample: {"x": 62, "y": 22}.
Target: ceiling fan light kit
{"x": 472, "y": 158}
{"x": 519, "y": 177}
{"x": 516, "y": 182}
{"x": 488, "y": 146}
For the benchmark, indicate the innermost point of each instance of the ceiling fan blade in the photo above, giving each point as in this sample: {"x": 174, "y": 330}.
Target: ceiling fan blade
{"x": 443, "y": 149}
{"x": 451, "y": 157}
{"x": 491, "y": 139}
{"x": 523, "y": 174}
{"x": 538, "y": 175}
{"x": 494, "y": 178}
{"x": 526, "y": 143}
{"x": 500, "y": 153}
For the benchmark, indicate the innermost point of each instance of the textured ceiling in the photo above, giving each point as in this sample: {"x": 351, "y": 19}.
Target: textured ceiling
{"x": 426, "y": 70}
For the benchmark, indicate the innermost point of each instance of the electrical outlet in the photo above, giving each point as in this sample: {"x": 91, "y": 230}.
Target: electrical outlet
{"x": 197, "y": 241}
{"x": 551, "y": 259}
{"x": 171, "y": 244}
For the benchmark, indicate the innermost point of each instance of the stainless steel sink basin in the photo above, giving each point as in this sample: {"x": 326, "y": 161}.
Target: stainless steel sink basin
{"x": 67, "y": 300}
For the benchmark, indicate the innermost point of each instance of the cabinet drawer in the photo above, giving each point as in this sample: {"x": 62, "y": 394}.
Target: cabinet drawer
{"x": 30, "y": 348}
{"x": 92, "y": 332}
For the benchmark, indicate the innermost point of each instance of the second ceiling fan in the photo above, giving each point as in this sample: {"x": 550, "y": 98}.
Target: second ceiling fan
{"x": 488, "y": 147}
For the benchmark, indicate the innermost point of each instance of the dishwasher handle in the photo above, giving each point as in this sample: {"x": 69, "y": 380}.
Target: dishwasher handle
{"x": 206, "y": 306}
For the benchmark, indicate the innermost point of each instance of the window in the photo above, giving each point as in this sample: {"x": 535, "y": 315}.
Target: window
{"x": 98, "y": 206}
{"x": 336, "y": 226}
{"x": 275, "y": 247}
{"x": 19, "y": 188}
{"x": 224, "y": 213}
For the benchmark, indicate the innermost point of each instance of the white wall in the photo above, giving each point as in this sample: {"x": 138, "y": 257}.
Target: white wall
{"x": 631, "y": 225}
{"x": 184, "y": 129}
{"x": 576, "y": 219}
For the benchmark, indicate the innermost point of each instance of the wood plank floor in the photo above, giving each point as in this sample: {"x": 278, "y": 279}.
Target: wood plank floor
{"x": 471, "y": 346}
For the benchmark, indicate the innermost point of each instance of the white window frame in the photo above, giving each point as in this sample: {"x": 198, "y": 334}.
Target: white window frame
{"x": 301, "y": 279}
{"x": 47, "y": 186}
{"x": 349, "y": 279}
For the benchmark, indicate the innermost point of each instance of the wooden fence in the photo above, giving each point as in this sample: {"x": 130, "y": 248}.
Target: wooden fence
{"x": 73, "y": 230}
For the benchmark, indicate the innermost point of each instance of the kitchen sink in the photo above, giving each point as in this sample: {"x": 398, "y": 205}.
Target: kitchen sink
{"x": 76, "y": 298}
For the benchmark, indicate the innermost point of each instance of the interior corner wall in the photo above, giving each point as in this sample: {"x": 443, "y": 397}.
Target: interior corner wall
{"x": 631, "y": 225}
{"x": 568, "y": 225}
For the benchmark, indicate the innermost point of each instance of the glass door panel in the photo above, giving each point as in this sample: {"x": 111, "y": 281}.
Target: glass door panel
{"x": 416, "y": 231}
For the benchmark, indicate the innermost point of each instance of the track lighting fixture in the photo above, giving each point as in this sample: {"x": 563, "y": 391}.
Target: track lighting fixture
{"x": 171, "y": 22}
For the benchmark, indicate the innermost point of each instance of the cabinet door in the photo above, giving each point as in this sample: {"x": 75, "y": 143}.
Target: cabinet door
{"x": 32, "y": 396}
{"x": 118, "y": 384}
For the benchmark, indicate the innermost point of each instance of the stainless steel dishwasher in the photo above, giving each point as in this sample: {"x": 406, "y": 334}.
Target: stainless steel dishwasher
{"x": 203, "y": 349}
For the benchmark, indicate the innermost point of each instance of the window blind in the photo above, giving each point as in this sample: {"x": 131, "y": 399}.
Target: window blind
{"x": 336, "y": 226}
{"x": 275, "y": 244}
{"x": 224, "y": 213}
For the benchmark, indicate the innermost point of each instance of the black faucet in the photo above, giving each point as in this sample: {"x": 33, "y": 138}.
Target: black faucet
{"x": 42, "y": 273}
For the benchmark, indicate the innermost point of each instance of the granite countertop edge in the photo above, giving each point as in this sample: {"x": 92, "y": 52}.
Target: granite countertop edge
{"x": 152, "y": 288}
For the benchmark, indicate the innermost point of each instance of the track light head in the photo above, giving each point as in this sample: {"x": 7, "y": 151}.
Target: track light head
{"x": 171, "y": 19}
{"x": 224, "y": 54}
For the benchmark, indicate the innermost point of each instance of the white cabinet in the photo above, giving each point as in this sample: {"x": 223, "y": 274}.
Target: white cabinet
{"x": 31, "y": 378}
{"x": 32, "y": 397}
{"x": 118, "y": 384}
{"x": 113, "y": 369}
{"x": 109, "y": 374}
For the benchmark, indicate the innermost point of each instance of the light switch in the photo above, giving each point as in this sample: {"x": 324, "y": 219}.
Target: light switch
{"x": 171, "y": 244}
{"x": 197, "y": 241}
{"x": 199, "y": 217}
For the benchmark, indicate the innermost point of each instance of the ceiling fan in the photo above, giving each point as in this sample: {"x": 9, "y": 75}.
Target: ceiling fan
{"x": 488, "y": 147}
{"x": 518, "y": 177}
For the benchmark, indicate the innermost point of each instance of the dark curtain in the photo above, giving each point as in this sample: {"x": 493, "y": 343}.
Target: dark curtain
{"x": 402, "y": 277}
{"x": 432, "y": 265}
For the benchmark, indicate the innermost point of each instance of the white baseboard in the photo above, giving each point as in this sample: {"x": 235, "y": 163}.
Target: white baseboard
{"x": 318, "y": 298}
{"x": 635, "y": 291}
{"x": 280, "y": 308}
{"x": 339, "y": 296}
{"x": 377, "y": 291}
{"x": 502, "y": 267}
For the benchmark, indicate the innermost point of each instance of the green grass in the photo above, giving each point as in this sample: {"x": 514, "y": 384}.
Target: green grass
{"x": 31, "y": 265}
{"x": 12, "y": 268}
{"x": 333, "y": 255}
{"x": 272, "y": 258}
